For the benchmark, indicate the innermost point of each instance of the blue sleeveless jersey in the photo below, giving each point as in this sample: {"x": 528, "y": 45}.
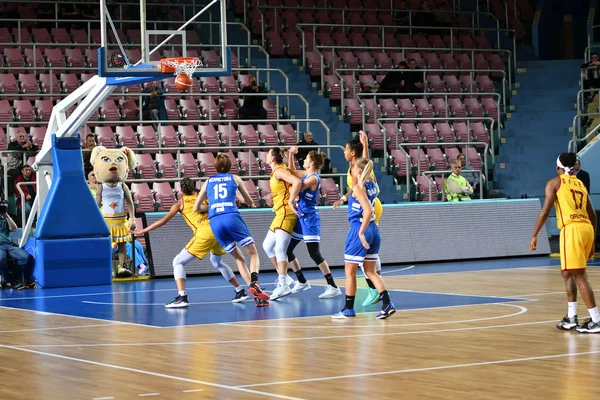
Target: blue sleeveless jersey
{"x": 221, "y": 191}
{"x": 307, "y": 203}
{"x": 355, "y": 211}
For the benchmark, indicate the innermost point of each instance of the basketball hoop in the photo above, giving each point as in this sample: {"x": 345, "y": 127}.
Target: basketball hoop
{"x": 180, "y": 65}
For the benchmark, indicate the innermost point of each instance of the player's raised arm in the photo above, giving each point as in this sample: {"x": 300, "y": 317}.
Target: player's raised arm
{"x": 201, "y": 197}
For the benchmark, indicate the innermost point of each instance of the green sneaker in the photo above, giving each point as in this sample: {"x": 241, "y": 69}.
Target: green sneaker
{"x": 372, "y": 297}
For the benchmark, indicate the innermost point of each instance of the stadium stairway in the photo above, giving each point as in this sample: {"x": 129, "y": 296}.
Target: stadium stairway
{"x": 539, "y": 128}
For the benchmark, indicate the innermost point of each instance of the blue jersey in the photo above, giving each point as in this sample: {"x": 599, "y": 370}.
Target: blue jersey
{"x": 221, "y": 193}
{"x": 355, "y": 210}
{"x": 307, "y": 203}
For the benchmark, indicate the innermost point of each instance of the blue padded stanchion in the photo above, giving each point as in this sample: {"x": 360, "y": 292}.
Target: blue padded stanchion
{"x": 72, "y": 240}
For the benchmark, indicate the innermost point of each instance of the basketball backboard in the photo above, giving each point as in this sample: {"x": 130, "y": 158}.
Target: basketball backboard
{"x": 134, "y": 46}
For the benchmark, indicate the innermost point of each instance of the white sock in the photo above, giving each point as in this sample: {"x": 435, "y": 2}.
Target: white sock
{"x": 239, "y": 289}
{"x": 594, "y": 314}
{"x": 182, "y": 293}
{"x": 572, "y": 309}
{"x": 283, "y": 280}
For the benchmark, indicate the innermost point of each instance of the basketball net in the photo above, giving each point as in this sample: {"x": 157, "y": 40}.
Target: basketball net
{"x": 182, "y": 65}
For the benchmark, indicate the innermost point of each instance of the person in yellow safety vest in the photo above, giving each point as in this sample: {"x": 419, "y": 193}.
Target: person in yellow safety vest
{"x": 456, "y": 186}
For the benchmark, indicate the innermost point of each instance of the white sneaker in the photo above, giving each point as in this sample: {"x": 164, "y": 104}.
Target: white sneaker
{"x": 300, "y": 287}
{"x": 288, "y": 281}
{"x": 280, "y": 291}
{"x": 330, "y": 292}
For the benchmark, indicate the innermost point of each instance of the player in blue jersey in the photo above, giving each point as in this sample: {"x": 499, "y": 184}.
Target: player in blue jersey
{"x": 226, "y": 222}
{"x": 363, "y": 240}
{"x": 308, "y": 227}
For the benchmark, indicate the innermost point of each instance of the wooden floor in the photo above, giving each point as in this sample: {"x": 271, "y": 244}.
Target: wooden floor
{"x": 488, "y": 351}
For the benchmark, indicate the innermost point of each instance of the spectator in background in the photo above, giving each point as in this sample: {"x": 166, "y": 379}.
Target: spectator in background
{"x": 29, "y": 191}
{"x": 456, "y": 186}
{"x": 592, "y": 73}
{"x": 467, "y": 171}
{"x": 414, "y": 78}
{"x": 153, "y": 106}
{"x": 582, "y": 175}
{"x": 303, "y": 151}
{"x": 15, "y": 162}
{"x": 252, "y": 108}
{"x": 394, "y": 82}
{"x": 9, "y": 250}
{"x": 90, "y": 143}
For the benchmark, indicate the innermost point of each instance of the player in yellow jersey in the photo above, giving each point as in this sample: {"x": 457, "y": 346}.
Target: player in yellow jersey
{"x": 356, "y": 148}
{"x": 285, "y": 187}
{"x": 202, "y": 243}
{"x": 576, "y": 220}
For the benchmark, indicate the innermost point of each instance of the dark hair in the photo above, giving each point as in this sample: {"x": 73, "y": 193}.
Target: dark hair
{"x": 356, "y": 146}
{"x": 317, "y": 158}
{"x": 593, "y": 54}
{"x": 222, "y": 163}
{"x": 568, "y": 159}
{"x": 412, "y": 59}
{"x": 90, "y": 135}
{"x": 403, "y": 64}
{"x": 188, "y": 187}
{"x": 278, "y": 154}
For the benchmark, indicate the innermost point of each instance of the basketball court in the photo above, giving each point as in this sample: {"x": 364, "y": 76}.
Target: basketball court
{"x": 480, "y": 329}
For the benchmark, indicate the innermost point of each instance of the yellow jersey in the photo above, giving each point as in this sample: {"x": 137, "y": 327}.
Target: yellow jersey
{"x": 194, "y": 219}
{"x": 571, "y": 201}
{"x": 280, "y": 191}
{"x": 349, "y": 178}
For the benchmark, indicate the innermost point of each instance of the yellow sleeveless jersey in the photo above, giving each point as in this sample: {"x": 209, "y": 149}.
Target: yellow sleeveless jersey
{"x": 194, "y": 219}
{"x": 377, "y": 207}
{"x": 349, "y": 178}
{"x": 280, "y": 191}
{"x": 571, "y": 201}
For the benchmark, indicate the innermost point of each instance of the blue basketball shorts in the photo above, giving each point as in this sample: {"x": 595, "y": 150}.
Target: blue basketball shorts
{"x": 308, "y": 228}
{"x": 355, "y": 252}
{"x": 230, "y": 229}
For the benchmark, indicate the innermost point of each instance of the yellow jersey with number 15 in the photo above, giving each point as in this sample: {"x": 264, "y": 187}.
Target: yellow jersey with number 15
{"x": 571, "y": 201}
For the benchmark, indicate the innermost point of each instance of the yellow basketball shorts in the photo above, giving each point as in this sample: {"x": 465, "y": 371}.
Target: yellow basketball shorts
{"x": 119, "y": 229}
{"x": 285, "y": 221}
{"x": 576, "y": 243}
{"x": 378, "y": 210}
{"x": 204, "y": 242}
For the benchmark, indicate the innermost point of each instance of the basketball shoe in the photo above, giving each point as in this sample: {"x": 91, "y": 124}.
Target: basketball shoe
{"x": 589, "y": 326}
{"x": 178, "y": 302}
{"x": 345, "y": 313}
{"x": 567, "y": 323}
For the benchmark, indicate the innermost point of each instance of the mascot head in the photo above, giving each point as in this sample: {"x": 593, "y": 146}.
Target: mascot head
{"x": 112, "y": 165}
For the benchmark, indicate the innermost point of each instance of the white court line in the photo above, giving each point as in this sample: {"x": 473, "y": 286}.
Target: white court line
{"x": 162, "y": 304}
{"x": 80, "y": 317}
{"x": 148, "y": 394}
{"x": 298, "y": 339}
{"x": 404, "y": 371}
{"x": 103, "y": 398}
{"x": 382, "y": 272}
{"x": 111, "y": 293}
{"x": 57, "y": 328}
{"x": 455, "y": 294}
{"x": 341, "y": 325}
{"x": 192, "y": 391}
{"x": 144, "y": 372}
{"x": 541, "y": 294}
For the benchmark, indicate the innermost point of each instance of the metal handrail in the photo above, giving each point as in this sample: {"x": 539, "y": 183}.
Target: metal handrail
{"x": 94, "y": 22}
{"x": 344, "y": 10}
{"x": 34, "y": 46}
{"x": 3, "y": 159}
{"x": 425, "y": 72}
{"x": 580, "y": 99}
{"x": 395, "y": 27}
{"x": 359, "y": 97}
{"x": 409, "y": 49}
{"x": 419, "y": 145}
{"x": 443, "y": 174}
{"x": 22, "y": 196}
{"x": 576, "y": 127}
{"x": 381, "y": 121}
{"x": 576, "y": 139}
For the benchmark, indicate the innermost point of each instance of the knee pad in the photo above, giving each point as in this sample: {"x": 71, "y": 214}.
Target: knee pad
{"x": 282, "y": 241}
{"x": 224, "y": 269}
{"x": 269, "y": 244}
{"x": 315, "y": 253}
{"x": 290, "y": 250}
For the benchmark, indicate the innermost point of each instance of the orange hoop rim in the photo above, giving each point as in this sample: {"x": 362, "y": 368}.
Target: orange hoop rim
{"x": 178, "y": 65}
